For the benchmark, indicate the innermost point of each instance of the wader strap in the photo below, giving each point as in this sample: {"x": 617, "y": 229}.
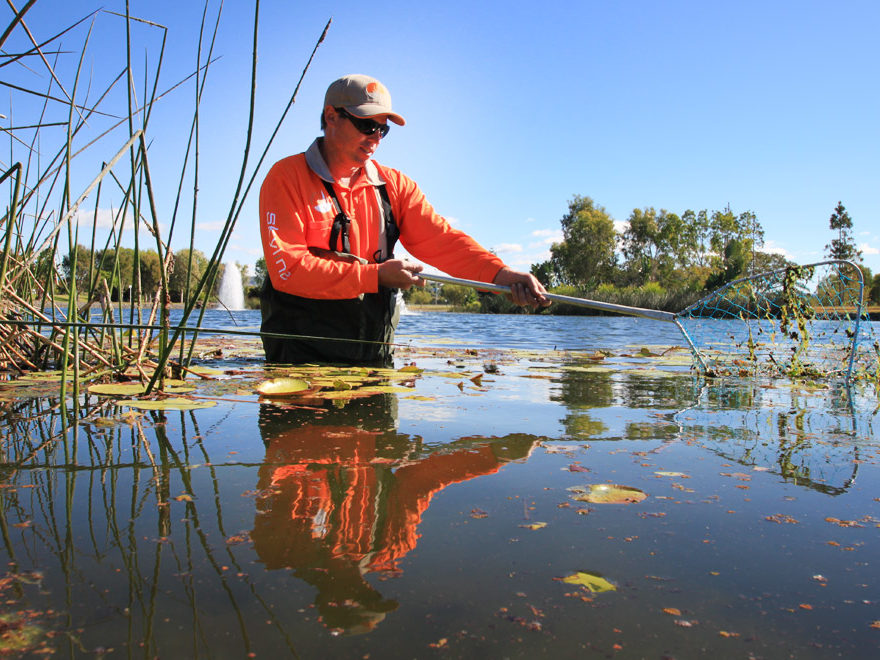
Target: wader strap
{"x": 341, "y": 224}
{"x": 392, "y": 233}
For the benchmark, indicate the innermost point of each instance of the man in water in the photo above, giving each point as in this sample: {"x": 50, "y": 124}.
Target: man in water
{"x": 329, "y": 219}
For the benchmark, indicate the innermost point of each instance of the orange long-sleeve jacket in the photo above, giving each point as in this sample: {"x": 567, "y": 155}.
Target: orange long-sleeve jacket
{"x": 296, "y": 214}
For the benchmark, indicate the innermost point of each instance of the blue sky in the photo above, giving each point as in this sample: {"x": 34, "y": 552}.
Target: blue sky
{"x": 512, "y": 108}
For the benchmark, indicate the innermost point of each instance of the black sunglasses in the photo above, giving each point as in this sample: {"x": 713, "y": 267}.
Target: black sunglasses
{"x": 365, "y": 126}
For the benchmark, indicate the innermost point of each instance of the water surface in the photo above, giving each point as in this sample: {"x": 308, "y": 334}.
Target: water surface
{"x": 439, "y": 521}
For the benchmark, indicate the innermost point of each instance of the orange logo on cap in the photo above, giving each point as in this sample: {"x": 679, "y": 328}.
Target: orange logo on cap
{"x": 372, "y": 87}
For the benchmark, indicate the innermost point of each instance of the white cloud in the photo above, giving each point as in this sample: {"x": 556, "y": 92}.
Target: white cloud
{"x": 868, "y": 249}
{"x": 621, "y": 226}
{"x": 508, "y": 247}
{"x": 771, "y": 248}
{"x": 211, "y": 226}
{"x": 103, "y": 219}
{"x": 555, "y": 234}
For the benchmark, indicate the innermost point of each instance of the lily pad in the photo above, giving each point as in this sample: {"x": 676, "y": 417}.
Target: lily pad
{"x": 282, "y": 387}
{"x": 133, "y": 389}
{"x": 173, "y": 403}
{"x": 607, "y": 494}
{"x": 594, "y": 582}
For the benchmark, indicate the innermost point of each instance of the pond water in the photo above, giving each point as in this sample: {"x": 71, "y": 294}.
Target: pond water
{"x": 446, "y": 516}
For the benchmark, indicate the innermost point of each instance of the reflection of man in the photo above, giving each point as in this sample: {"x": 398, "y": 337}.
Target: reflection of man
{"x": 342, "y": 499}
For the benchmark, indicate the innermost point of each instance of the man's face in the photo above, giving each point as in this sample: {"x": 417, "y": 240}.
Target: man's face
{"x": 345, "y": 142}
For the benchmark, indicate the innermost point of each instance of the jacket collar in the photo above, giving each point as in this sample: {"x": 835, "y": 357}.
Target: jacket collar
{"x": 315, "y": 161}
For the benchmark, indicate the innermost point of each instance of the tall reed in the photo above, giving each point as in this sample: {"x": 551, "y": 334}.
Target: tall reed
{"x": 58, "y": 310}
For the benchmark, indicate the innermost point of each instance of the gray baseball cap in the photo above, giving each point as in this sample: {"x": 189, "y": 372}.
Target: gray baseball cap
{"x": 362, "y": 96}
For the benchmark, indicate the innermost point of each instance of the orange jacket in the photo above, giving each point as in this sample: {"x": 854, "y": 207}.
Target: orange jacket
{"x": 296, "y": 214}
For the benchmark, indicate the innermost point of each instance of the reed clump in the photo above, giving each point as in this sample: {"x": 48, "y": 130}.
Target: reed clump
{"x": 79, "y": 157}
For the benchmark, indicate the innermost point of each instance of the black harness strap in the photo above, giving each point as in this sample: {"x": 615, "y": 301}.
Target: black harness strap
{"x": 392, "y": 232}
{"x": 341, "y": 224}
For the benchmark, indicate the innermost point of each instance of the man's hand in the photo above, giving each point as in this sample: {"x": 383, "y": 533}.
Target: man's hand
{"x": 400, "y": 274}
{"x": 525, "y": 289}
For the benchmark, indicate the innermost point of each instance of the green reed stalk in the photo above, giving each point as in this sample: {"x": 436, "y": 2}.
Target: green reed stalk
{"x": 72, "y": 306}
{"x": 235, "y": 210}
{"x": 11, "y": 214}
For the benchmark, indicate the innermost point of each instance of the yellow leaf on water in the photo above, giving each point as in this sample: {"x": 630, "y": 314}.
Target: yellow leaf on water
{"x": 169, "y": 404}
{"x": 591, "y": 581}
{"x": 282, "y": 386}
{"x": 537, "y": 525}
{"x": 607, "y": 494}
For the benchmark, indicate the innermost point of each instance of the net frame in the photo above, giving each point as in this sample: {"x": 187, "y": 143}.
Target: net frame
{"x": 800, "y": 321}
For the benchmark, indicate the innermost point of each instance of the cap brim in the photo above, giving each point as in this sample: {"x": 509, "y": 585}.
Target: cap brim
{"x": 371, "y": 110}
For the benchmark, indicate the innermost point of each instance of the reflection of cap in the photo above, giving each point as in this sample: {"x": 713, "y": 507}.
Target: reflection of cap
{"x": 362, "y": 96}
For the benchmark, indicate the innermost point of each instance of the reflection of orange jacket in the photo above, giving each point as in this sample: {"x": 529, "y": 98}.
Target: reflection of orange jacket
{"x": 337, "y": 500}
{"x": 296, "y": 213}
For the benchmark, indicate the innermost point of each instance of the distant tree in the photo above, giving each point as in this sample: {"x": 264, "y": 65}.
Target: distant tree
{"x": 651, "y": 244}
{"x": 260, "y": 271}
{"x": 546, "y": 273}
{"x": 874, "y": 295}
{"x": 81, "y": 262}
{"x": 457, "y": 295}
{"x": 695, "y": 240}
{"x": 765, "y": 261}
{"x": 181, "y": 282}
{"x": 725, "y": 226}
{"x": 733, "y": 266}
{"x": 44, "y": 268}
{"x": 585, "y": 257}
{"x": 842, "y": 247}
{"x": 868, "y": 279}
{"x": 151, "y": 273}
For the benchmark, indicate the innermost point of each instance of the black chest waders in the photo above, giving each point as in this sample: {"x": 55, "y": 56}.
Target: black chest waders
{"x": 352, "y": 331}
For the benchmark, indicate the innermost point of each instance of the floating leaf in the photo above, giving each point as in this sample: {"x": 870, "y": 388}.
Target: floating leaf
{"x": 282, "y": 387}
{"x": 173, "y": 403}
{"x": 674, "y": 611}
{"x": 672, "y": 474}
{"x": 118, "y": 389}
{"x": 592, "y": 581}
{"x": 136, "y": 388}
{"x": 607, "y": 494}
{"x": 537, "y": 525}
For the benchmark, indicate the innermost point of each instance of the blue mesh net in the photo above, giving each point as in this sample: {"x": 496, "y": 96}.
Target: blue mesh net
{"x": 802, "y": 321}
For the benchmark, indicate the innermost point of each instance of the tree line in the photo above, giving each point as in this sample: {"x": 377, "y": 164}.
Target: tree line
{"x": 661, "y": 251}
{"x": 662, "y": 260}
{"x": 135, "y": 274}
